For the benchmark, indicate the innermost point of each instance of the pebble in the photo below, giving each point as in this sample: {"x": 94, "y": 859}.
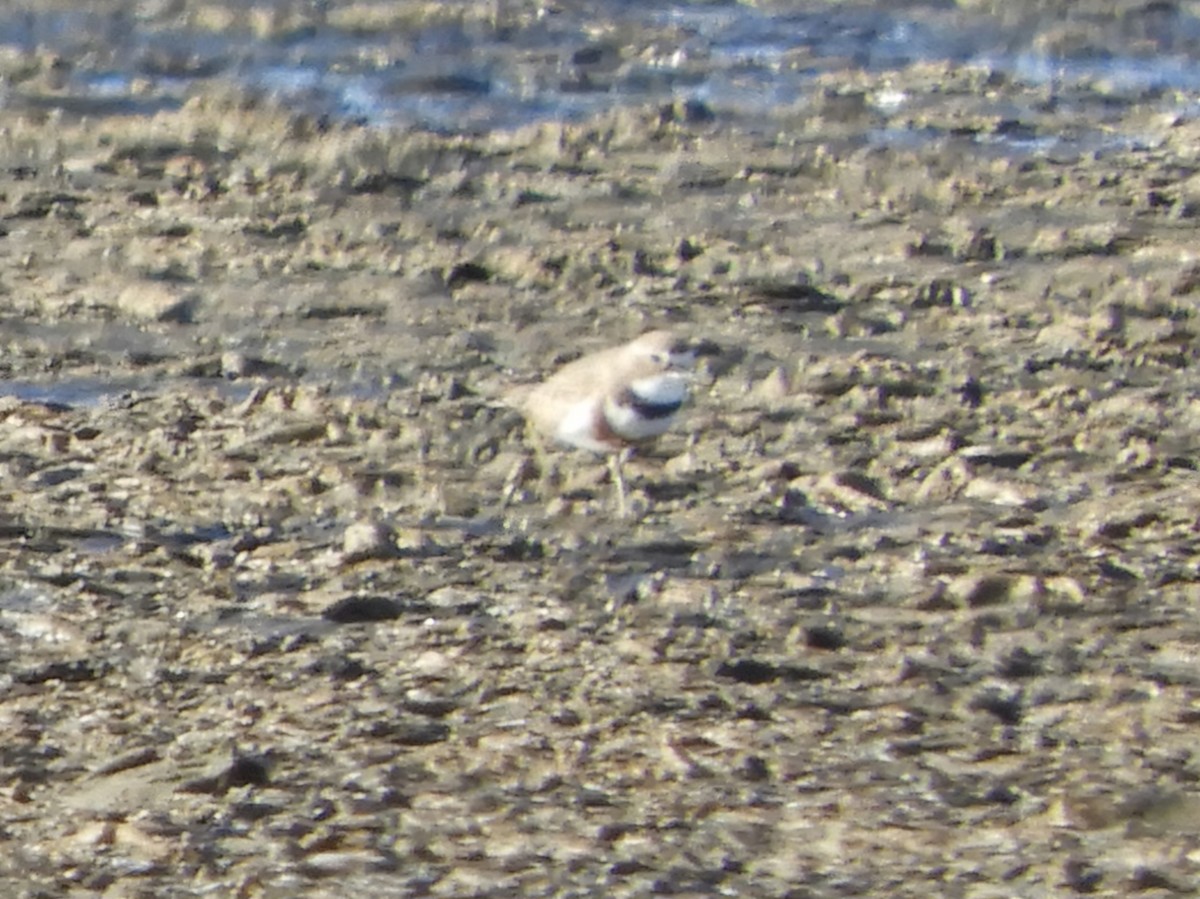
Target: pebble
{"x": 365, "y": 540}
{"x": 910, "y": 591}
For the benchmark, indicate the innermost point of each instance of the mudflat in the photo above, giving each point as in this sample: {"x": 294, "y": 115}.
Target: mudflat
{"x": 289, "y": 605}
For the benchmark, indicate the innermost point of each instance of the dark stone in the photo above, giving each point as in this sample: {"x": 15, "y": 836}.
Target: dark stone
{"x": 419, "y": 733}
{"x": 971, "y": 392}
{"x": 246, "y": 771}
{"x": 466, "y": 272}
{"x": 77, "y": 671}
{"x": 343, "y": 668}
{"x": 243, "y": 771}
{"x": 358, "y": 609}
{"x": 824, "y": 636}
{"x": 754, "y": 769}
{"x": 1002, "y": 794}
{"x": 1020, "y": 663}
{"x": 748, "y": 671}
{"x": 1008, "y": 709}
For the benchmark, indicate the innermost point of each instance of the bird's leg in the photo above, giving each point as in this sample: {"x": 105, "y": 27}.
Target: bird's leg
{"x": 615, "y": 462}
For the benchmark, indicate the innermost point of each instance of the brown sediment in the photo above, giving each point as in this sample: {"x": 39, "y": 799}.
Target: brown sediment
{"x": 912, "y": 599}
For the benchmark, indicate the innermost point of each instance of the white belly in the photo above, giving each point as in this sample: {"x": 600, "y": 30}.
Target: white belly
{"x": 578, "y": 426}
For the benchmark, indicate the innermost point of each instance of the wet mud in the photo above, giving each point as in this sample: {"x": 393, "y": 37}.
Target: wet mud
{"x": 289, "y": 605}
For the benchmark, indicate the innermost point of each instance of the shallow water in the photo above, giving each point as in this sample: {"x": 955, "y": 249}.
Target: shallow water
{"x": 453, "y": 68}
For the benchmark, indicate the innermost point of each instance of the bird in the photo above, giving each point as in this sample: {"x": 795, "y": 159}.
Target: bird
{"x": 614, "y": 399}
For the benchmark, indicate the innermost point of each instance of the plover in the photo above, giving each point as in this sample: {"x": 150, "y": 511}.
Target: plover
{"x": 615, "y": 399}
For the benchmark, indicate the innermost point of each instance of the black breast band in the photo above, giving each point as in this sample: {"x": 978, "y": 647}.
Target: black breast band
{"x": 645, "y": 408}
